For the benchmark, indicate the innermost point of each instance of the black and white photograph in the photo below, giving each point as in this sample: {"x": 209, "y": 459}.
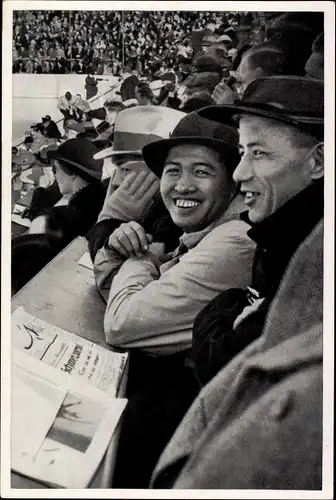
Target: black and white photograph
{"x": 185, "y": 152}
{"x": 76, "y": 422}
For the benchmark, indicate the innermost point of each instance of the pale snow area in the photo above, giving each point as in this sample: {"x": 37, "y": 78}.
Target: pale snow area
{"x": 35, "y": 96}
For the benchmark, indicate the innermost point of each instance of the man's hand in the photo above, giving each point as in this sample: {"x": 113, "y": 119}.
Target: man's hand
{"x": 129, "y": 240}
{"x": 223, "y": 94}
{"x": 132, "y": 200}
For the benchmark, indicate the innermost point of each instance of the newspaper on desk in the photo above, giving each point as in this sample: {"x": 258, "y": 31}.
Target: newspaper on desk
{"x": 68, "y": 352}
{"x": 60, "y": 425}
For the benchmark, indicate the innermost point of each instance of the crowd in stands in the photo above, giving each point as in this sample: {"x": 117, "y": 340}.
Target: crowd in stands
{"x": 199, "y": 190}
{"x": 104, "y": 42}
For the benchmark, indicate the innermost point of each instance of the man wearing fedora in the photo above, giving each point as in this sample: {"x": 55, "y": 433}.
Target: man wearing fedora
{"x": 281, "y": 176}
{"x": 258, "y": 422}
{"x": 138, "y": 200}
{"x": 155, "y": 294}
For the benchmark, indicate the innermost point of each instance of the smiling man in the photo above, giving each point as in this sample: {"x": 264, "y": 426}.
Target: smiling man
{"x": 154, "y": 299}
{"x": 156, "y": 294}
{"x": 280, "y": 174}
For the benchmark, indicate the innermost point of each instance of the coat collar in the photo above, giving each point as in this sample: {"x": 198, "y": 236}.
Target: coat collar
{"x": 190, "y": 240}
{"x": 297, "y": 308}
{"x": 292, "y": 222}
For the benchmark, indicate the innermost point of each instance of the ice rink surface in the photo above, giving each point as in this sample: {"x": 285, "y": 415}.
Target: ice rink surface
{"x": 35, "y": 96}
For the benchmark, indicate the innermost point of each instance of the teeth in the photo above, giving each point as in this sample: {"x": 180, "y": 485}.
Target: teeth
{"x": 249, "y": 194}
{"x": 186, "y": 203}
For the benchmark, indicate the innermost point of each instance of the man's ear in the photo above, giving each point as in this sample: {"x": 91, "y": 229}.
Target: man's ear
{"x": 316, "y": 161}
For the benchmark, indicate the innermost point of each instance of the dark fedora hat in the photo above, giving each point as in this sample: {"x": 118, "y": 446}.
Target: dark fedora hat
{"x": 298, "y": 101}
{"x": 77, "y": 154}
{"x": 194, "y": 129}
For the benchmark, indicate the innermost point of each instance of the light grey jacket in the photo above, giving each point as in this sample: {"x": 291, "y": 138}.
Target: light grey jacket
{"x": 258, "y": 423}
{"x": 152, "y": 306}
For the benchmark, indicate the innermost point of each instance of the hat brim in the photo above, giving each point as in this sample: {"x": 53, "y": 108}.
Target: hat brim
{"x": 105, "y": 153}
{"x": 77, "y": 166}
{"x": 155, "y": 153}
{"x": 224, "y": 114}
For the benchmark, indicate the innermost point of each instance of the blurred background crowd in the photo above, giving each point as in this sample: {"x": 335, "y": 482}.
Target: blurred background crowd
{"x": 103, "y": 42}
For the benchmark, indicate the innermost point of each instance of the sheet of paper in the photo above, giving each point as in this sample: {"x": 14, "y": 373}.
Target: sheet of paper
{"x": 86, "y": 261}
{"x": 33, "y": 411}
{"x": 68, "y": 352}
{"x": 69, "y": 444}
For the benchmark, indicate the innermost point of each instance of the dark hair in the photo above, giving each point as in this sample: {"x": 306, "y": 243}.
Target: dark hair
{"x": 295, "y": 40}
{"x": 272, "y": 60}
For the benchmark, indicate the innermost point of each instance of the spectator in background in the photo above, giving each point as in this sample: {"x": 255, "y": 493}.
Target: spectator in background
{"x": 91, "y": 86}
{"x": 51, "y": 129}
{"x": 294, "y": 33}
{"x": 27, "y": 143}
{"x": 40, "y": 139}
{"x": 47, "y": 193}
{"x": 197, "y": 101}
{"x": 81, "y": 106}
{"x": 261, "y": 61}
{"x": 145, "y": 204}
{"x": 78, "y": 176}
{"x": 67, "y": 106}
{"x": 72, "y": 128}
{"x": 148, "y": 40}
{"x": 143, "y": 94}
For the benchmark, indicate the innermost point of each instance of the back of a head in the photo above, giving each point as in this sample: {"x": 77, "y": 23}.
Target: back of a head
{"x": 205, "y": 81}
{"x": 271, "y": 60}
{"x": 207, "y": 63}
{"x": 197, "y": 101}
{"x": 312, "y": 21}
{"x": 294, "y": 38}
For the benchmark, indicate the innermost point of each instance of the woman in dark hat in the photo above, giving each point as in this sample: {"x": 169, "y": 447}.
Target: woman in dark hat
{"x": 155, "y": 297}
{"x": 78, "y": 177}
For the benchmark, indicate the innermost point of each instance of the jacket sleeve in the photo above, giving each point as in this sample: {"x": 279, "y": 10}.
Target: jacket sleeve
{"x": 98, "y": 234}
{"x": 105, "y": 266}
{"x": 155, "y": 312}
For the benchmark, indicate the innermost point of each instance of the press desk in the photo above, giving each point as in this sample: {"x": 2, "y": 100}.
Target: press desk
{"x": 63, "y": 293}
